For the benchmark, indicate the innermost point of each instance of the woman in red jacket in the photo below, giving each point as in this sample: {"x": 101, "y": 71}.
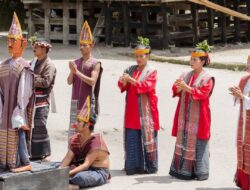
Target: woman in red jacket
{"x": 241, "y": 94}
{"x": 141, "y": 114}
{"x": 192, "y": 119}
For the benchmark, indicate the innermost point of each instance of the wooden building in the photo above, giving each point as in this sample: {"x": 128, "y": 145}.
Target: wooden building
{"x": 119, "y": 22}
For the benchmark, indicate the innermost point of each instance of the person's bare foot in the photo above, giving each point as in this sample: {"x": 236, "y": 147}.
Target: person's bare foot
{"x": 46, "y": 159}
{"x": 73, "y": 187}
{"x": 22, "y": 169}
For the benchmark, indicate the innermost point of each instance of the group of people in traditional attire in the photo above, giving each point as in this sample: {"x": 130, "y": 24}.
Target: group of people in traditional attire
{"x": 191, "y": 125}
{"x": 26, "y": 88}
{"x": 24, "y": 102}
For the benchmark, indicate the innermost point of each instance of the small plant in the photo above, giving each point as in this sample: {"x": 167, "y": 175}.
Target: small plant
{"x": 204, "y": 46}
{"x": 143, "y": 41}
{"x": 32, "y": 39}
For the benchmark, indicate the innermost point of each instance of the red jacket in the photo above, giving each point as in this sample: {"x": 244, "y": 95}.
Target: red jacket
{"x": 201, "y": 94}
{"x": 132, "y": 117}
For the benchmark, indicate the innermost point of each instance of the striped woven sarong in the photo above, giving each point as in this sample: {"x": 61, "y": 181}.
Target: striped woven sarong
{"x": 40, "y": 142}
{"x": 242, "y": 177}
{"x": 191, "y": 156}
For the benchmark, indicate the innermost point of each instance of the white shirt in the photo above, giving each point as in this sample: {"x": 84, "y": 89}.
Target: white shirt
{"x": 246, "y": 104}
{"x": 246, "y": 99}
{"x": 19, "y": 116}
{"x": 1, "y": 107}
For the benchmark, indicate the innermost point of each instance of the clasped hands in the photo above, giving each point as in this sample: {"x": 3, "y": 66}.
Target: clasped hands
{"x": 181, "y": 85}
{"x": 236, "y": 92}
{"x": 73, "y": 67}
{"x": 125, "y": 78}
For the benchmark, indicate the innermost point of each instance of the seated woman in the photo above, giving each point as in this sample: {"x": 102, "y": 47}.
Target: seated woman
{"x": 88, "y": 155}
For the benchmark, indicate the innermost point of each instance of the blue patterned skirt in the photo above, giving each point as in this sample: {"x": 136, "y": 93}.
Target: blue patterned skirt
{"x": 136, "y": 160}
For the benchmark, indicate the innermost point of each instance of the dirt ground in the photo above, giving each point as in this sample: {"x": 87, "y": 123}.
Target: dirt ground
{"x": 227, "y": 54}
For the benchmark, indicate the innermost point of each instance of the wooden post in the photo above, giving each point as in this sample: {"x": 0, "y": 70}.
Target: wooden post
{"x": 47, "y": 28}
{"x": 144, "y": 21}
{"x": 236, "y": 21}
{"x": 195, "y": 23}
{"x": 108, "y": 33}
{"x": 210, "y": 15}
{"x": 223, "y": 24}
{"x": 91, "y": 15}
{"x": 165, "y": 30}
{"x": 248, "y": 10}
{"x": 30, "y": 21}
{"x": 126, "y": 23}
{"x": 79, "y": 20}
{"x": 65, "y": 22}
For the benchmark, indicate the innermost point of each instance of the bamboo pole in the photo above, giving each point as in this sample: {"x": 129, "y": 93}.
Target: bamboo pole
{"x": 221, "y": 9}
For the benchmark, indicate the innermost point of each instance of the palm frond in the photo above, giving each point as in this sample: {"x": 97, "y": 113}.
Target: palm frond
{"x": 143, "y": 41}
{"x": 33, "y": 38}
{"x": 204, "y": 46}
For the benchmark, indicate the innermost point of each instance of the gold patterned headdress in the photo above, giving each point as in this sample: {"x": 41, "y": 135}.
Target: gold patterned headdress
{"x": 15, "y": 28}
{"x": 84, "y": 114}
{"x": 86, "y": 36}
